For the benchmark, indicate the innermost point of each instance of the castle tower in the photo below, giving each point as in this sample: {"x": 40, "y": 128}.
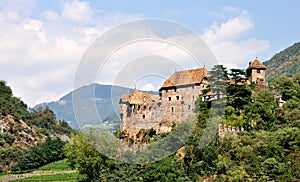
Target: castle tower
{"x": 256, "y": 72}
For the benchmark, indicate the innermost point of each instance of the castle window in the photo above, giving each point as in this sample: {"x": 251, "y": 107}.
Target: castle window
{"x": 189, "y": 106}
{"x": 139, "y": 107}
{"x": 172, "y": 109}
{"x": 175, "y": 89}
{"x": 169, "y": 98}
{"x": 144, "y": 116}
{"x": 167, "y": 90}
{"x": 145, "y": 107}
{"x": 177, "y": 97}
{"x": 193, "y": 97}
{"x": 150, "y": 108}
{"x": 258, "y": 71}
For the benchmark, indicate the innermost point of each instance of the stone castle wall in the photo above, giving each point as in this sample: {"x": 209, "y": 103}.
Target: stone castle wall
{"x": 258, "y": 74}
{"x": 174, "y": 106}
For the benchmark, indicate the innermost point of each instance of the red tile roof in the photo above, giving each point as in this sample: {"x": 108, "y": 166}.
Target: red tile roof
{"x": 185, "y": 77}
{"x": 256, "y": 64}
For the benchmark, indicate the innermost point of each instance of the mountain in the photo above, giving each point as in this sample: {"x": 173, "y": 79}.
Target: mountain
{"x": 286, "y": 62}
{"x": 106, "y": 98}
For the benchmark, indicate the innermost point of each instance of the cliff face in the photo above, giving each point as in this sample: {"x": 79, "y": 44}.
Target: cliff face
{"x": 17, "y": 133}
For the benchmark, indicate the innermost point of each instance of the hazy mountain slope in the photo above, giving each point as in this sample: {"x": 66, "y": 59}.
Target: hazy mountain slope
{"x": 286, "y": 62}
{"x": 106, "y": 98}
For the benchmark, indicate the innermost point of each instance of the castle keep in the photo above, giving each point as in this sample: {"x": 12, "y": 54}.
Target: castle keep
{"x": 175, "y": 102}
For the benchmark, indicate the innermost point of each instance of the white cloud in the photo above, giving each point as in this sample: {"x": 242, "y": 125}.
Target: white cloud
{"x": 39, "y": 55}
{"x": 227, "y": 40}
{"x": 149, "y": 87}
{"x": 229, "y": 9}
{"x": 229, "y": 30}
{"x": 77, "y": 11}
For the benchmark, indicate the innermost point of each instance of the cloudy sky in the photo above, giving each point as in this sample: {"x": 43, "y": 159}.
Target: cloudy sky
{"x": 42, "y": 42}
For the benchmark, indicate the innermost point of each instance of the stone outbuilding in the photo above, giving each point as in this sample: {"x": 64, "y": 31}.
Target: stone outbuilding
{"x": 256, "y": 72}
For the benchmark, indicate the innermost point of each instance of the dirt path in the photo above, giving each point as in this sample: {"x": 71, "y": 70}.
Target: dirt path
{"x": 36, "y": 173}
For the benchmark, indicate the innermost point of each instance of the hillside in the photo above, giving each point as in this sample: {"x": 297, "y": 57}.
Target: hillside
{"x": 286, "y": 62}
{"x": 106, "y": 98}
{"x": 21, "y": 129}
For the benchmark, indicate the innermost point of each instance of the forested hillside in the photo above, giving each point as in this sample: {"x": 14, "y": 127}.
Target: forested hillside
{"x": 267, "y": 149}
{"x": 23, "y": 129}
{"x": 284, "y": 63}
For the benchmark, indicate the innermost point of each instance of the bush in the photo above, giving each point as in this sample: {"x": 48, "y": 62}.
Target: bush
{"x": 7, "y": 137}
{"x": 49, "y": 151}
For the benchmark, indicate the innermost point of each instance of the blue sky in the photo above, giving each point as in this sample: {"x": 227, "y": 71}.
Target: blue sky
{"x": 42, "y": 41}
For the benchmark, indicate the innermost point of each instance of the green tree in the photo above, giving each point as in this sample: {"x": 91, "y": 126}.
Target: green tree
{"x": 217, "y": 80}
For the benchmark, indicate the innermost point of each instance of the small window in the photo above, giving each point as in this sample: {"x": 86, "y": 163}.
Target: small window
{"x": 150, "y": 108}
{"x": 193, "y": 97}
{"x": 177, "y": 97}
{"x": 258, "y": 71}
{"x": 189, "y": 106}
{"x": 175, "y": 89}
{"x": 172, "y": 109}
{"x": 144, "y": 116}
{"x": 139, "y": 107}
{"x": 166, "y": 90}
{"x": 169, "y": 98}
{"x": 145, "y": 107}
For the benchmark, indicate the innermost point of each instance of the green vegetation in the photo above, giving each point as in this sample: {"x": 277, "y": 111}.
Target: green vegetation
{"x": 49, "y": 151}
{"x": 10, "y": 104}
{"x": 51, "y": 177}
{"x": 56, "y": 166}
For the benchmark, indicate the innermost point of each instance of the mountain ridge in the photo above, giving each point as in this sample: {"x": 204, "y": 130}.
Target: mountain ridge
{"x": 284, "y": 63}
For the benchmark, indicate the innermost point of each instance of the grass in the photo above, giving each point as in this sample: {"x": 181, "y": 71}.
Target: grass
{"x": 55, "y": 171}
{"x": 56, "y": 166}
{"x": 51, "y": 177}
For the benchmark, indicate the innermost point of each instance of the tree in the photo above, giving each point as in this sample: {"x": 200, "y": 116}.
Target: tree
{"x": 237, "y": 75}
{"x": 286, "y": 87}
{"x": 217, "y": 79}
{"x": 259, "y": 113}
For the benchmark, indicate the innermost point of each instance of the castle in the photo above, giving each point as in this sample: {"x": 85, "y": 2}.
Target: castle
{"x": 175, "y": 102}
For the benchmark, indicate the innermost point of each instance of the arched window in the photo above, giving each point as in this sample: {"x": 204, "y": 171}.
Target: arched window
{"x": 177, "y": 97}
